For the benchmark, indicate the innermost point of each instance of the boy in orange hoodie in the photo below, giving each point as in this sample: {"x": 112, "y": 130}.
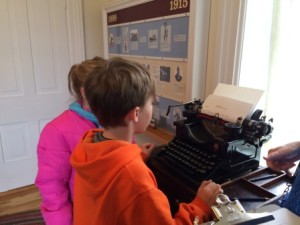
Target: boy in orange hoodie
{"x": 113, "y": 185}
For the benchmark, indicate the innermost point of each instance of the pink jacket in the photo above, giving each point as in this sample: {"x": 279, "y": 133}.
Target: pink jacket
{"x": 55, "y": 177}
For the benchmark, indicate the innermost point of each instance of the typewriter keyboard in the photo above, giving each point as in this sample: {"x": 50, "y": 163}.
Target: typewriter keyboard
{"x": 190, "y": 159}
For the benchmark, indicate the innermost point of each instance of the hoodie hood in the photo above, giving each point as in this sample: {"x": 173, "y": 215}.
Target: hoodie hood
{"x": 97, "y": 163}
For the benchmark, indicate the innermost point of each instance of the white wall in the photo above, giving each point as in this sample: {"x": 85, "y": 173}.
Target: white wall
{"x": 93, "y": 27}
{"x": 225, "y": 22}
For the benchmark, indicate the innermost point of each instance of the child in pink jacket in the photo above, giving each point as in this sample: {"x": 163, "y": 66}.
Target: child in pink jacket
{"x": 55, "y": 177}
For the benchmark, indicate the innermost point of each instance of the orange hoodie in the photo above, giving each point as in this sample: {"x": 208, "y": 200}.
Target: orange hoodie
{"x": 114, "y": 186}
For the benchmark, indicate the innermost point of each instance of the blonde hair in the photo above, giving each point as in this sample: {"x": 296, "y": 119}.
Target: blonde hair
{"x": 78, "y": 74}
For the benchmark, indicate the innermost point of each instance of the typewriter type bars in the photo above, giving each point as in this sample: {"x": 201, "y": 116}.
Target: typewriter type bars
{"x": 189, "y": 159}
{"x": 213, "y": 160}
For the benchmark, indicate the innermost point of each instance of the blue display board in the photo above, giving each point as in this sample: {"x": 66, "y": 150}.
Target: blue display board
{"x": 165, "y": 38}
{"x": 156, "y": 34}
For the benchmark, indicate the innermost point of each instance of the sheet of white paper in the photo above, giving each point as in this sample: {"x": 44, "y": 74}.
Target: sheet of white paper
{"x": 230, "y": 102}
{"x": 242, "y": 94}
{"x": 226, "y": 108}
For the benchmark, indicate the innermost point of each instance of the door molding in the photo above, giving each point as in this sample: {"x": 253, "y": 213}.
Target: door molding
{"x": 75, "y": 31}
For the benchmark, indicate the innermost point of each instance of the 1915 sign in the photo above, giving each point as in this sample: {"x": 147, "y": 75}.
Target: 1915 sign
{"x": 178, "y": 4}
{"x": 148, "y": 10}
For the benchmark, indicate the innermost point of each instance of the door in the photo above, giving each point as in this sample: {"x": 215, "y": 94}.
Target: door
{"x": 39, "y": 41}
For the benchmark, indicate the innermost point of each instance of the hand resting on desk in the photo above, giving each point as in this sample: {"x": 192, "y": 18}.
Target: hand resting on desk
{"x": 283, "y": 158}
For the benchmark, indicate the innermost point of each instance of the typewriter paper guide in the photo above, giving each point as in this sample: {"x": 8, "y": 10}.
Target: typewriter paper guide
{"x": 230, "y": 102}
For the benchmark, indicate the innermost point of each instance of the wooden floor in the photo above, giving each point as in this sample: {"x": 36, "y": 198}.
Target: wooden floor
{"x": 19, "y": 200}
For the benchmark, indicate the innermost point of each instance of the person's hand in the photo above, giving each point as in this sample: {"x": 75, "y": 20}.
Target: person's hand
{"x": 208, "y": 192}
{"x": 283, "y": 158}
{"x": 147, "y": 149}
{"x": 281, "y": 166}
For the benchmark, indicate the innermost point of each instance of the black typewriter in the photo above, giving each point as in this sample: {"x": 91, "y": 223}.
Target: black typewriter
{"x": 207, "y": 147}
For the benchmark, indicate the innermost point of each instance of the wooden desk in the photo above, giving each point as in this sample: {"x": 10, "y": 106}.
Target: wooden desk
{"x": 254, "y": 191}
{"x": 154, "y": 135}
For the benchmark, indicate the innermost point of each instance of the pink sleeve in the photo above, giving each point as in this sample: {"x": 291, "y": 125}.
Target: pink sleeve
{"x": 54, "y": 173}
{"x": 58, "y": 217}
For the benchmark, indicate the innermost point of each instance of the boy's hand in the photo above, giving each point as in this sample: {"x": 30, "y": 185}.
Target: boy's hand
{"x": 208, "y": 192}
{"x": 147, "y": 149}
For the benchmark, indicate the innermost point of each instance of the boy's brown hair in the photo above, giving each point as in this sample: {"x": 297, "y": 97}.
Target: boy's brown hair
{"x": 116, "y": 88}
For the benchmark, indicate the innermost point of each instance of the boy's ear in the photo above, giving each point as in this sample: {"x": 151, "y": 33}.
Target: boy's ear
{"x": 133, "y": 114}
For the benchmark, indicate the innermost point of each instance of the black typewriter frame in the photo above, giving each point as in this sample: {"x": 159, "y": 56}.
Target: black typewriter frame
{"x": 199, "y": 129}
